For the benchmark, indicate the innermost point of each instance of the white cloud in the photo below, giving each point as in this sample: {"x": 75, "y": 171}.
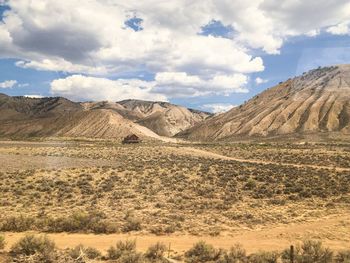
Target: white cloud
{"x": 165, "y": 86}
{"x": 313, "y": 33}
{"x": 8, "y": 84}
{"x": 259, "y": 81}
{"x": 80, "y": 87}
{"x": 179, "y": 84}
{"x": 340, "y": 29}
{"x": 33, "y": 96}
{"x": 91, "y": 38}
{"x": 218, "y": 107}
{"x": 180, "y": 78}
{"x": 60, "y": 65}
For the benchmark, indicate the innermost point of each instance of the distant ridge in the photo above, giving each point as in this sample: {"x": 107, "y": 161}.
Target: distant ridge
{"x": 57, "y": 116}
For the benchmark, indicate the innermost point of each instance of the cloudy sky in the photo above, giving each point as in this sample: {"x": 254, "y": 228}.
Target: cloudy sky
{"x": 208, "y": 54}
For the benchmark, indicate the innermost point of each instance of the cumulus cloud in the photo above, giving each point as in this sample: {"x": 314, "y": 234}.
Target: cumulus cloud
{"x": 259, "y": 81}
{"x": 340, "y": 29}
{"x": 179, "y": 84}
{"x": 165, "y": 86}
{"x": 81, "y": 87}
{"x": 98, "y": 37}
{"x": 7, "y": 84}
{"x": 218, "y": 107}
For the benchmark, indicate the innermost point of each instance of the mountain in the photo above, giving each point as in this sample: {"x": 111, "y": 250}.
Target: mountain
{"x": 41, "y": 117}
{"x": 164, "y": 118}
{"x": 317, "y": 102}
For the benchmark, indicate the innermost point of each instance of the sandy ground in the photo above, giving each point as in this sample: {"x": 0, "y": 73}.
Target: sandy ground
{"x": 332, "y": 230}
{"x": 10, "y": 162}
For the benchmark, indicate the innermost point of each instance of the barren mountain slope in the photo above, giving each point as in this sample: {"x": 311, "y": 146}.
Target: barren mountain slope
{"x": 114, "y": 106}
{"x": 103, "y": 123}
{"x": 164, "y": 118}
{"x": 25, "y": 117}
{"x": 316, "y": 102}
{"x": 34, "y": 117}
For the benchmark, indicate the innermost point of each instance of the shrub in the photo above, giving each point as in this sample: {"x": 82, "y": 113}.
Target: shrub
{"x": 30, "y": 245}
{"x": 17, "y": 224}
{"x": 122, "y": 249}
{"x": 132, "y": 224}
{"x": 81, "y": 221}
{"x": 131, "y": 258}
{"x": 236, "y": 254}
{"x": 89, "y": 252}
{"x": 2, "y": 242}
{"x": 309, "y": 252}
{"x": 155, "y": 252}
{"x": 202, "y": 252}
{"x": 264, "y": 257}
{"x": 343, "y": 257}
{"x": 251, "y": 184}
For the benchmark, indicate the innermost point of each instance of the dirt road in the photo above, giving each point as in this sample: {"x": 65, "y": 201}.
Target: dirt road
{"x": 202, "y": 153}
{"x": 334, "y": 232}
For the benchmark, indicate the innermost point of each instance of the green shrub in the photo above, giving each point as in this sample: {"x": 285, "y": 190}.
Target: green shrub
{"x": 155, "y": 253}
{"x": 30, "y": 245}
{"x": 251, "y": 184}
{"x": 202, "y": 252}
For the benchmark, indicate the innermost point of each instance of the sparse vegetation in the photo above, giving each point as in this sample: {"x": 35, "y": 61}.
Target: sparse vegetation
{"x": 174, "y": 189}
{"x": 34, "y": 245}
{"x": 155, "y": 253}
{"x": 84, "y": 252}
{"x": 163, "y": 185}
{"x": 42, "y": 249}
{"x": 125, "y": 252}
{"x": 310, "y": 251}
{"x": 203, "y": 252}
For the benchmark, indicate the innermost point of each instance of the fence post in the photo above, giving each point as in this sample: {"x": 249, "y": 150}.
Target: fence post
{"x": 291, "y": 254}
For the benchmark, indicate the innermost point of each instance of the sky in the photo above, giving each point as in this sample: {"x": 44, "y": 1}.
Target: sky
{"x": 210, "y": 55}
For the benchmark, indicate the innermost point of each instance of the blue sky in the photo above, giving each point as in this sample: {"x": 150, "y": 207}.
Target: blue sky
{"x": 150, "y": 56}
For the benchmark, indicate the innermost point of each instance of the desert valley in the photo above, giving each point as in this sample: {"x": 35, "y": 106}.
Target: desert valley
{"x": 239, "y": 186}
